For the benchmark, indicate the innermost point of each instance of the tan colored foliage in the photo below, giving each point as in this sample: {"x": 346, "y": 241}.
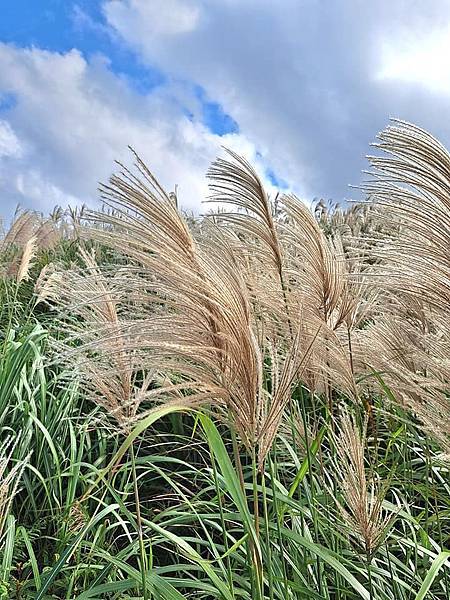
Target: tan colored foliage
{"x": 235, "y": 310}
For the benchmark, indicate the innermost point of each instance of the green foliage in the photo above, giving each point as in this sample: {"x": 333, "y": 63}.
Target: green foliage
{"x": 276, "y": 534}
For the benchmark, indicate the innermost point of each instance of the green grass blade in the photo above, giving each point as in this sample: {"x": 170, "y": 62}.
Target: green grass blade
{"x": 193, "y": 555}
{"x": 230, "y": 476}
{"x": 330, "y": 559}
{"x": 141, "y": 426}
{"x": 436, "y": 565}
{"x": 71, "y": 549}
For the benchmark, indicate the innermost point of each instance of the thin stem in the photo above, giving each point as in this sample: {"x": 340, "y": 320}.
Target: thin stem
{"x": 223, "y": 525}
{"x": 143, "y": 558}
{"x": 369, "y": 575}
{"x": 237, "y": 459}
{"x": 278, "y": 514}
{"x": 257, "y": 564}
{"x": 238, "y": 463}
{"x": 312, "y": 484}
{"x": 267, "y": 534}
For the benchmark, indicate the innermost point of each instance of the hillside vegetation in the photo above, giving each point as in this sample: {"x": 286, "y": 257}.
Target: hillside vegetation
{"x": 252, "y": 405}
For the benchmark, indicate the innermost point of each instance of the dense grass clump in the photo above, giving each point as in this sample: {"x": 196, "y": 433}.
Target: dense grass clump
{"x": 252, "y": 405}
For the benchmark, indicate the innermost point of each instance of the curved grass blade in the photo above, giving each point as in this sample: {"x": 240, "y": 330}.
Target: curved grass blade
{"x": 436, "y": 565}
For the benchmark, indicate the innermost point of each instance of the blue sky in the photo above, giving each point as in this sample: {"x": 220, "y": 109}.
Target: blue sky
{"x": 300, "y": 87}
{"x": 61, "y": 25}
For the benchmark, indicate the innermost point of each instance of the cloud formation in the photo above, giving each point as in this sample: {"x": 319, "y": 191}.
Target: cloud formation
{"x": 72, "y": 118}
{"x": 307, "y": 83}
{"x": 310, "y": 82}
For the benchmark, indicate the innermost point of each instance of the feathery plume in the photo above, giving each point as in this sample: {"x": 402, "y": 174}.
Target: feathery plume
{"x": 410, "y": 343}
{"x": 362, "y": 500}
{"x": 194, "y": 319}
{"x": 26, "y": 261}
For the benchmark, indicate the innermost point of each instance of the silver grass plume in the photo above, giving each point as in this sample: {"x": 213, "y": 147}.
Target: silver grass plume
{"x": 361, "y": 506}
{"x": 409, "y": 343}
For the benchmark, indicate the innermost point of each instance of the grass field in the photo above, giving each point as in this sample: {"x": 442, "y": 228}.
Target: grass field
{"x": 250, "y": 405}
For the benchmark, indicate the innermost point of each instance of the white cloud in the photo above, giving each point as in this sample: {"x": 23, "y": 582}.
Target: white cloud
{"x": 73, "y": 118}
{"x": 271, "y": 66}
{"x": 9, "y": 143}
{"x": 420, "y": 56}
{"x": 158, "y": 17}
{"x": 309, "y": 84}
{"x": 301, "y": 78}
{"x": 36, "y": 190}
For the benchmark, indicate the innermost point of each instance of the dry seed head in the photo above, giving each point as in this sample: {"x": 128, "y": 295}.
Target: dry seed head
{"x": 362, "y": 500}
{"x": 409, "y": 342}
{"x": 26, "y": 261}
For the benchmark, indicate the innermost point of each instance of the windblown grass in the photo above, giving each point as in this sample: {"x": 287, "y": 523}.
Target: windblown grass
{"x": 250, "y": 406}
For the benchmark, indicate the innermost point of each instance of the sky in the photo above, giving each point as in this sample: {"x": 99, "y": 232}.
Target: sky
{"x": 299, "y": 87}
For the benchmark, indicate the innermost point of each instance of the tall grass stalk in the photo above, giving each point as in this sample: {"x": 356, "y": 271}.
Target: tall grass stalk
{"x": 261, "y": 324}
{"x": 143, "y": 554}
